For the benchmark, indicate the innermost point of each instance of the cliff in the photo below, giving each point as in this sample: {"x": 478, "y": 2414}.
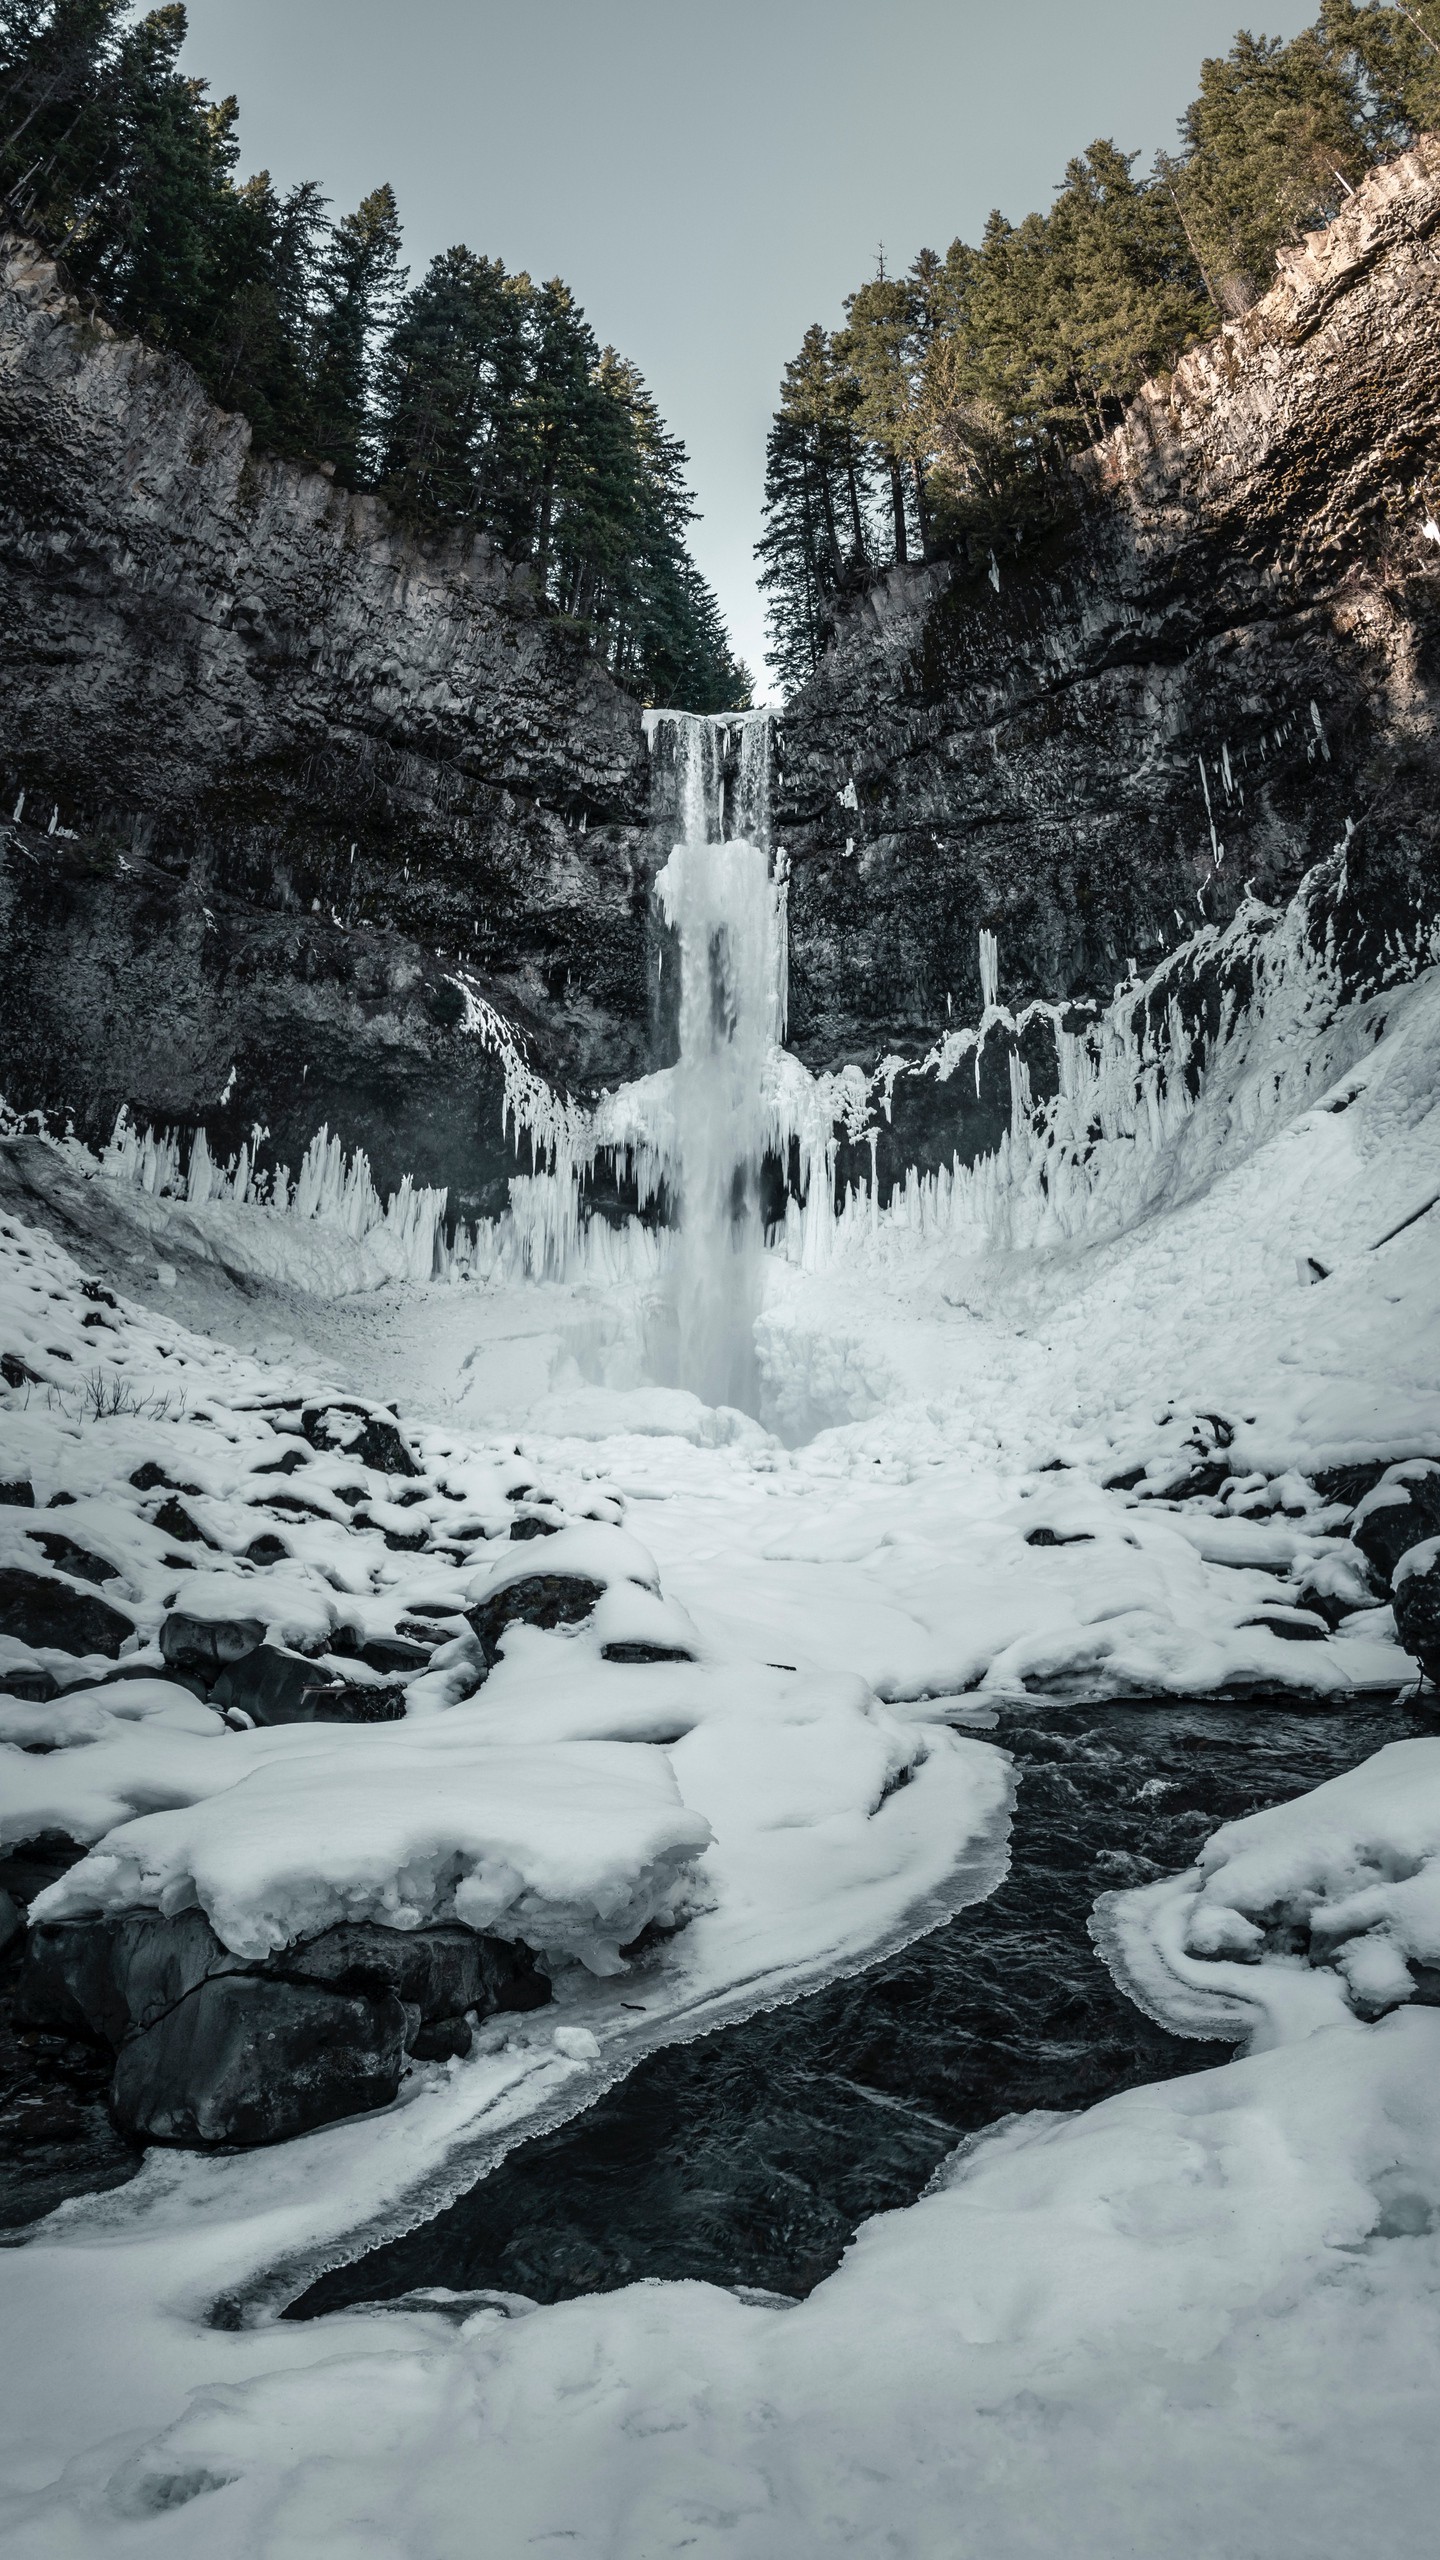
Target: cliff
{"x": 1221, "y": 666}
{"x": 281, "y": 764}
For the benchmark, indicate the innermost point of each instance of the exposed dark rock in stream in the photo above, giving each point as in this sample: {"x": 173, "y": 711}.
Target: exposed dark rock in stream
{"x": 750, "y": 2156}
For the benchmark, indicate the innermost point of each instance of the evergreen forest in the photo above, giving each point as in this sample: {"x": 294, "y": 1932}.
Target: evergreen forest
{"x": 943, "y": 413}
{"x": 476, "y": 401}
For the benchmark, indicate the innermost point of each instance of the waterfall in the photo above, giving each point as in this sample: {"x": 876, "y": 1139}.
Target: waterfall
{"x": 717, "y": 896}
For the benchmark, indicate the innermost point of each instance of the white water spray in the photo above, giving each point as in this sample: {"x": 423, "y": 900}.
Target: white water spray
{"x": 718, "y": 898}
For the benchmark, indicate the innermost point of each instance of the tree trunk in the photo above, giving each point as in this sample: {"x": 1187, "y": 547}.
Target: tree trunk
{"x": 897, "y": 509}
{"x": 857, "y": 520}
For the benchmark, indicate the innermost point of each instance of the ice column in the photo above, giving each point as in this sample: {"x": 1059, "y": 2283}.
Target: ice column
{"x": 717, "y": 896}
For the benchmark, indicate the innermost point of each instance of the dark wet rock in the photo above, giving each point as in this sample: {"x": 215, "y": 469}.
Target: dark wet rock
{"x": 207, "y": 1645}
{"x": 445, "y": 2038}
{"x": 20, "y": 1492}
{"x": 1297, "y": 1626}
{"x": 381, "y": 1653}
{"x": 623, "y": 1651}
{"x": 151, "y": 1478}
{"x": 266, "y": 1549}
{"x": 440, "y": 1972}
{"x": 31, "y": 1681}
{"x": 12, "y": 1921}
{"x": 1059, "y": 1538}
{"x": 1397, "y": 1513}
{"x": 271, "y": 1685}
{"x": 69, "y": 1557}
{"x": 1417, "y": 1607}
{"x": 17, "y": 1372}
{"x": 359, "y": 1702}
{"x": 246, "y": 2058}
{"x": 173, "y": 1518}
{"x": 539, "y": 1600}
{"x": 532, "y": 1524}
{"x": 111, "y": 1976}
{"x": 371, "y": 1437}
{"x": 289, "y": 1465}
{"x": 40, "y": 1609}
{"x": 1348, "y": 1484}
{"x": 33, "y": 1864}
{"x": 215, "y": 2048}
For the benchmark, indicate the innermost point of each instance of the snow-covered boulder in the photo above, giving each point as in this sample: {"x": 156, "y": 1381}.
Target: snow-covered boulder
{"x": 1417, "y": 1606}
{"x": 1398, "y": 1513}
{"x": 1296, "y": 1916}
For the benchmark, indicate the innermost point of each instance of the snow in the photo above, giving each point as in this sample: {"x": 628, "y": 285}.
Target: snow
{"x": 1297, "y": 1914}
{"x": 574, "y": 1849}
{"x": 1198, "y": 2318}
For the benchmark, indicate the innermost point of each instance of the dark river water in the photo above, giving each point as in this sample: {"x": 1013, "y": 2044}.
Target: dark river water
{"x": 750, "y": 2156}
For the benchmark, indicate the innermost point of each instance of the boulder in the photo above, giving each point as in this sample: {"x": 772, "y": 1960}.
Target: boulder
{"x": 274, "y": 1686}
{"x": 20, "y": 1491}
{"x": 371, "y": 1437}
{"x": 1397, "y": 1513}
{"x": 441, "y": 1971}
{"x": 68, "y": 1557}
{"x": 1417, "y": 1606}
{"x": 537, "y": 1600}
{"x": 12, "y": 1921}
{"x": 381, "y": 1653}
{"x": 635, "y": 1650}
{"x": 28, "y": 1867}
{"x": 112, "y": 1976}
{"x": 207, "y": 1645}
{"x": 247, "y": 2058}
{"x": 40, "y": 1609}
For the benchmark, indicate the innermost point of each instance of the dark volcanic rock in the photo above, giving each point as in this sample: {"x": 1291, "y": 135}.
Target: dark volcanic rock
{"x": 20, "y": 1492}
{"x": 1222, "y": 656}
{"x": 441, "y": 1971}
{"x": 305, "y": 767}
{"x": 246, "y": 2059}
{"x": 213, "y": 2048}
{"x": 273, "y": 1686}
{"x": 40, "y": 1609}
{"x": 1417, "y": 1607}
{"x": 540, "y": 1600}
{"x": 67, "y": 1557}
{"x": 1398, "y": 1512}
{"x": 371, "y": 1437}
{"x": 206, "y": 1645}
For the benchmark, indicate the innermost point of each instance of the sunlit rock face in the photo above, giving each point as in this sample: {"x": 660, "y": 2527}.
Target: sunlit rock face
{"x": 283, "y": 770}
{"x": 1091, "y": 740}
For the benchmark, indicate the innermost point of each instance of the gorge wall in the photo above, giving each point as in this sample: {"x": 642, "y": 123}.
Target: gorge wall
{"x": 1224, "y": 665}
{"x": 284, "y": 766}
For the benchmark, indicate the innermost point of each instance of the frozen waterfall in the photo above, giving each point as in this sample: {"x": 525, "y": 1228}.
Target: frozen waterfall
{"x": 717, "y": 896}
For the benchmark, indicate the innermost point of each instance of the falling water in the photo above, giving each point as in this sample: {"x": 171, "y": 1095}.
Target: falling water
{"x": 717, "y": 896}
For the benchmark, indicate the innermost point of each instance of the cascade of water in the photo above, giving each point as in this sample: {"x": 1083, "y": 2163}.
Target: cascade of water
{"x": 717, "y": 896}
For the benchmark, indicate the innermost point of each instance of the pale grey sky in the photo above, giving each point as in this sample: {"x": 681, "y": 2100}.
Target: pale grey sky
{"x": 709, "y": 178}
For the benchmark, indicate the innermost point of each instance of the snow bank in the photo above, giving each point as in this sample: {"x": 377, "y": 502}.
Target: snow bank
{"x": 1297, "y": 1914}
{"x": 1199, "y": 2317}
{"x": 573, "y": 1848}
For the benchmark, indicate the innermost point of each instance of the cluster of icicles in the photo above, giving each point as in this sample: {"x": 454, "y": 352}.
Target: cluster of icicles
{"x": 1142, "y": 1099}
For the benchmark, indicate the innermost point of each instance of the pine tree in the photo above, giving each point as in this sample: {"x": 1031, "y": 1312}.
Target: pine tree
{"x": 360, "y": 283}
{"x": 1273, "y": 143}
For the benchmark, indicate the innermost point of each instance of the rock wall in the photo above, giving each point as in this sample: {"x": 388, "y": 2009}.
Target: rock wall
{"x": 281, "y": 764}
{"x": 1221, "y": 667}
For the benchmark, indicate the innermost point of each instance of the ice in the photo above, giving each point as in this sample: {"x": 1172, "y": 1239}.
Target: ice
{"x": 1045, "y": 1426}
{"x": 574, "y": 1849}
{"x": 1297, "y": 1914}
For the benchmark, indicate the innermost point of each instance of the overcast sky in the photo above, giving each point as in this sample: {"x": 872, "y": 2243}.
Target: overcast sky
{"x": 707, "y": 178}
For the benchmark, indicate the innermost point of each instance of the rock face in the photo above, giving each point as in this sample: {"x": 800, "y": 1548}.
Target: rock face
{"x": 295, "y": 763}
{"x": 210, "y": 2049}
{"x": 1088, "y": 743}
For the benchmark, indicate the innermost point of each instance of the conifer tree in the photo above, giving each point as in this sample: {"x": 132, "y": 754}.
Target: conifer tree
{"x": 360, "y": 283}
